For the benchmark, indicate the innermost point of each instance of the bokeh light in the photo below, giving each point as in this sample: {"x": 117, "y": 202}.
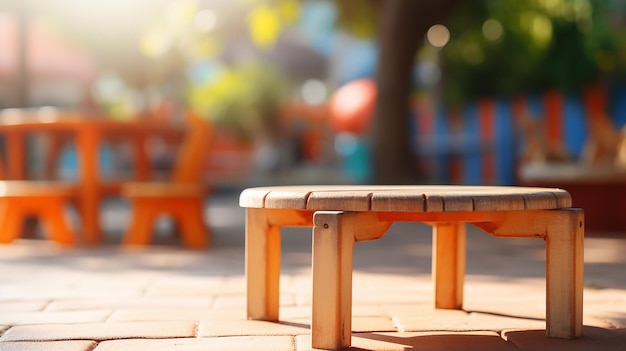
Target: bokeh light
{"x": 492, "y": 29}
{"x": 438, "y": 35}
{"x": 314, "y": 92}
{"x": 205, "y": 20}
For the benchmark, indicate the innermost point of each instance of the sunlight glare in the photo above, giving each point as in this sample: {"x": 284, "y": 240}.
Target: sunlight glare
{"x": 205, "y": 20}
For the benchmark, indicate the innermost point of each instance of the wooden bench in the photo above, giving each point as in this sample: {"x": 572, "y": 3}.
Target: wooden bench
{"x": 343, "y": 215}
{"x": 20, "y": 199}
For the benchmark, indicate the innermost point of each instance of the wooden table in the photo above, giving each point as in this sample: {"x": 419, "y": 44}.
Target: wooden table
{"x": 343, "y": 215}
{"x": 89, "y": 133}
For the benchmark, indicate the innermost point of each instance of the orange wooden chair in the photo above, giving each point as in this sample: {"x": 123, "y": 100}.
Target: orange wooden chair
{"x": 182, "y": 197}
{"x": 44, "y": 200}
{"x": 21, "y": 199}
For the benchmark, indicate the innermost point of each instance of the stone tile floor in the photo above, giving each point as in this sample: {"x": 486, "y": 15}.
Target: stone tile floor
{"x": 167, "y": 298}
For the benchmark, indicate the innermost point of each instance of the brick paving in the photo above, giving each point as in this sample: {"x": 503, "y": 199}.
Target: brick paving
{"x": 167, "y": 298}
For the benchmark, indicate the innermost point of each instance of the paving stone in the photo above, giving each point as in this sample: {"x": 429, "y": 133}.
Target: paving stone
{"x": 520, "y": 297}
{"x": 390, "y": 297}
{"x": 66, "y": 345}
{"x": 422, "y": 318}
{"x": 43, "y": 292}
{"x": 372, "y": 324}
{"x": 451, "y": 320}
{"x": 498, "y": 322}
{"x": 293, "y": 312}
{"x": 234, "y": 343}
{"x": 161, "y": 314}
{"x": 432, "y": 341}
{"x": 593, "y": 339}
{"x": 131, "y": 282}
{"x": 100, "y": 331}
{"x": 208, "y": 286}
{"x": 604, "y": 308}
{"x": 242, "y": 326}
{"x": 131, "y": 302}
{"x": 359, "y": 324}
{"x": 51, "y": 317}
{"x": 514, "y": 306}
{"x": 22, "y": 306}
{"x": 239, "y": 300}
{"x": 604, "y": 316}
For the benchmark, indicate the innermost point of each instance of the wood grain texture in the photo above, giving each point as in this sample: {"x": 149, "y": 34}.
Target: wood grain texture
{"x": 564, "y": 275}
{"x": 427, "y": 198}
{"x": 448, "y": 264}
{"x": 333, "y": 243}
{"x": 262, "y": 266}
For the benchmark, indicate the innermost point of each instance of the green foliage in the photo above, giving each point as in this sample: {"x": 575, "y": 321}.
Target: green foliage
{"x": 243, "y": 99}
{"x": 358, "y": 17}
{"x": 544, "y": 44}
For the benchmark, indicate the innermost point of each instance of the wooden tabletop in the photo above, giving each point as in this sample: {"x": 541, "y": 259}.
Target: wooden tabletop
{"x": 72, "y": 122}
{"x": 423, "y": 198}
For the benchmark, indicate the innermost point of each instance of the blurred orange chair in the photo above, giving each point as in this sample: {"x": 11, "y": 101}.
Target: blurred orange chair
{"x": 21, "y": 199}
{"x": 46, "y": 201}
{"x": 182, "y": 197}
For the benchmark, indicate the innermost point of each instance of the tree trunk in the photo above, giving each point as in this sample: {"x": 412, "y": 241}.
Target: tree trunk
{"x": 401, "y": 30}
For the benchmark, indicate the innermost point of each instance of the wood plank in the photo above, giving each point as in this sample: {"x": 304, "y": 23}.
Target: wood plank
{"x": 333, "y": 243}
{"x": 564, "y": 275}
{"x": 457, "y": 203}
{"x": 262, "y": 266}
{"x": 253, "y": 197}
{"x": 357, "y": 200}
{"x": 507, "y": 202}
{"x": 542, "y": 200}
{"x": 448, "y": 264}
{"x": 394, "y": 201}
{"x": 289, "y": 198}
{"x": 564, "y": 199}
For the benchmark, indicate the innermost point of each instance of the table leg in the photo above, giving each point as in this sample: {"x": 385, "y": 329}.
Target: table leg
{"x": 55, "y": 146}
{"x": 262, "y": 265}
{"x": 11, "y": 220}
{"x": 564, "y": 274}
{"x": 16, "y": 155}
{"x": 139, "y": 231}
{"x": 448, "y": 264}
{"x": 190, "y": 216}
{"x": 142, "y": 160}
{"x": 333, "y": 243}
{"x": 88, "y": 140}
{"x": 53, "y": 217}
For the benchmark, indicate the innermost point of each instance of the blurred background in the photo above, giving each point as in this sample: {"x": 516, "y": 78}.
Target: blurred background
{"x": 450, "y": 92}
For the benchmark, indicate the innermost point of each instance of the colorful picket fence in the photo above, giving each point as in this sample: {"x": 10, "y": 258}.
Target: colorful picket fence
{"x": 484, "y": 142}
